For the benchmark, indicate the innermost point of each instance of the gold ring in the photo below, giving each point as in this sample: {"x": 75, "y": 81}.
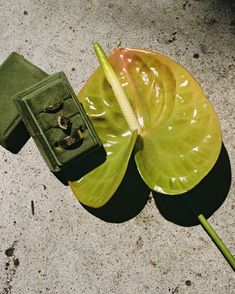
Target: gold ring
{"x": 54, "y": 107}
{"x": 72, "y": 141}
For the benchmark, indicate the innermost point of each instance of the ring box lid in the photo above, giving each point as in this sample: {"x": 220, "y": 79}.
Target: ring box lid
{"x": 16, "y": 74}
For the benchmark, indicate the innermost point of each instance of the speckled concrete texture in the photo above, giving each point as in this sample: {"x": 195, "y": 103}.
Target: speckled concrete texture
{"x": 63, "y": 248}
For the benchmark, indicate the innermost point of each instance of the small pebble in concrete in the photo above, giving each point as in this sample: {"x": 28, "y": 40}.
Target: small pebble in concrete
{"x": 9, "y": 252}
{"x": 7, "y": 266}
{"x": 140, "y": 243}
{"x": 153, "y": 263}
{"x": 16, "y": 262}
{"x": 203, "y": 48}
{"x": 188, "y": 283}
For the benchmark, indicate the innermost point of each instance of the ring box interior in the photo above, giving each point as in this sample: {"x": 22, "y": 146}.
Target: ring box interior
{"x": 41, "y": 106}
{"x": 16, "y": 74}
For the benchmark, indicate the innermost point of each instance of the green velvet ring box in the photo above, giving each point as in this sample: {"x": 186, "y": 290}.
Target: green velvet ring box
{"x": 60, "y": 127}
{"x": 16, "y": 74}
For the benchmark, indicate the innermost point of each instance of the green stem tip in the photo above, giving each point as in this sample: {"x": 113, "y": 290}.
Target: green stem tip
{"x": 220, "y": 244}
{"x": 211, "y": 232}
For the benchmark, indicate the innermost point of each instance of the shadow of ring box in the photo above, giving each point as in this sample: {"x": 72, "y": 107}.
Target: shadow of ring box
{"x": 34, "y": 94}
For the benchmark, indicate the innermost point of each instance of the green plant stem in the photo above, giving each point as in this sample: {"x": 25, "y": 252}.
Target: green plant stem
{"x": 220, "y": 244}
{"x": 211, "y": 232}
{"x": 116, "y": 86}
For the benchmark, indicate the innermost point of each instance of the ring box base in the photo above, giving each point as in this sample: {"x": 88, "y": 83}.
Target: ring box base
{"x": 36, "y": 104}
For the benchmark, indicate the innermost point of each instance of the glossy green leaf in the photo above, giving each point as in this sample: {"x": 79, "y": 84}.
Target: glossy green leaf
{"x": 98, "y": 186}
{"x": 181, "y": 136}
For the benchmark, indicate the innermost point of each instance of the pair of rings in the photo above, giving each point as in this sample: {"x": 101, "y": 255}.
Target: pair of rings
{"x": 62, "y": 122}
{"x": 74, "y": 139}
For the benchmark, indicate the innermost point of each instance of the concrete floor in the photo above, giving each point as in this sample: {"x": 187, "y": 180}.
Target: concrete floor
{"x": 63, "y": 248}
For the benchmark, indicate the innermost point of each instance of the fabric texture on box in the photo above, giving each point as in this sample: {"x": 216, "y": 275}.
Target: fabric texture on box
{"x": 68, "y": 110}
{"x": 33, "y": 104}
{"x": 16, "y": 74}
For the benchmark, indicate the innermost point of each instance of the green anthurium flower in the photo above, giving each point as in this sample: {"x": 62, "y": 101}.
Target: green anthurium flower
{"x": 144, "y": 92}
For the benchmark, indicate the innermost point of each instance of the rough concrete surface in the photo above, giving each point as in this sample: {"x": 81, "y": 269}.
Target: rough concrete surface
{"x": 63, "y": 248}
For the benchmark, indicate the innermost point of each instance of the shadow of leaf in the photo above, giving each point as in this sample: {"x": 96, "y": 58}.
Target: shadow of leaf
{"x": 128, "y": 201}
{"x": 207, "y": 196}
